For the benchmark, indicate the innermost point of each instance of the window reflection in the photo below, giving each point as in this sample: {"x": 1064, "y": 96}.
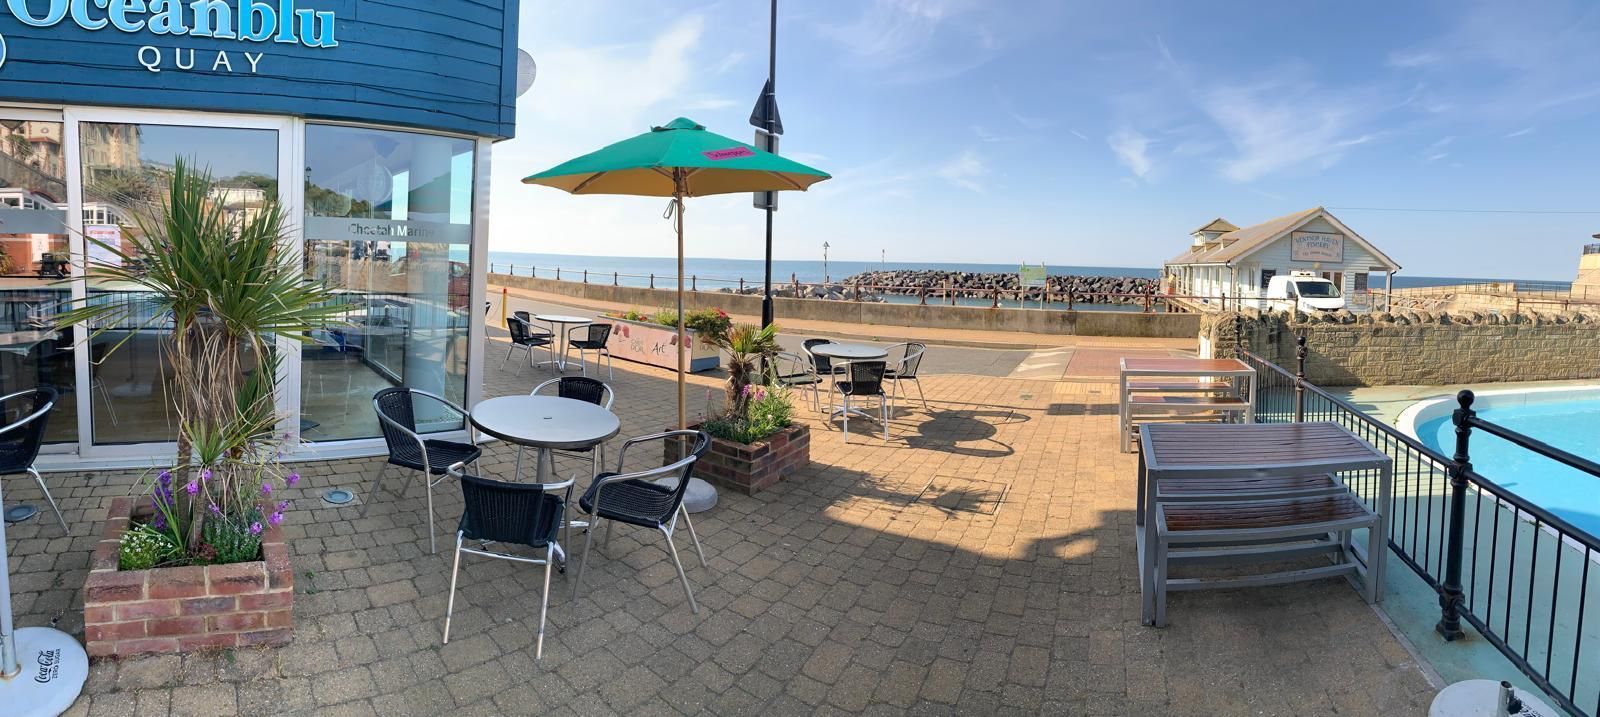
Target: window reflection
{"x": 33, "y": 260}
{"x": 389, "y": 224}
{"x": 126, "y": 170}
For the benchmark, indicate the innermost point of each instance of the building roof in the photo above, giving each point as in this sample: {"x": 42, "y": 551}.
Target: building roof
{"x": 1217, "y": 225}
{"x": 1239, "y": 243}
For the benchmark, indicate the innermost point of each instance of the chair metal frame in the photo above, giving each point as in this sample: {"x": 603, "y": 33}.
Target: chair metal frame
{"x": 38, "y": 415}
{"x": 427, "y": 466}
{"x": 583, "y": 367}
{"x": 913, "y": 352}
{"x": 683, "y": 468}
{"x": 456, "y": 471}
{"x": 597, "y": 455}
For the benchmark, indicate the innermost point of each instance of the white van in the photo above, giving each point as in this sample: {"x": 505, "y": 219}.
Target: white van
{"x": 1305, "y": 290}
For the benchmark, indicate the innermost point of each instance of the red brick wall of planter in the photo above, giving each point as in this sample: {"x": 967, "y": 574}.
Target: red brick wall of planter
{"x": 752, "y": 468}
{"x": 181, "y": 609}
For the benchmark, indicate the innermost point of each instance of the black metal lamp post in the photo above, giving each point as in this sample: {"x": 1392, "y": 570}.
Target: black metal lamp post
{"x": 768, "y": 126}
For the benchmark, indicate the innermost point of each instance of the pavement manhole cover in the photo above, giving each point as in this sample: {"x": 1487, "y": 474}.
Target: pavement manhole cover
{"x": 338, "y": 496}
{"x": 966, "y": 495}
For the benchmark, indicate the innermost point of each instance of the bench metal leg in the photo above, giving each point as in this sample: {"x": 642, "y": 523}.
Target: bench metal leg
{"x": 1160, "y": 581}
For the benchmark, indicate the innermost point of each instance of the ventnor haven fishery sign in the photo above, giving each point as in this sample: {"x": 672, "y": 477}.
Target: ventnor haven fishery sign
{"x": 242, "y": 21}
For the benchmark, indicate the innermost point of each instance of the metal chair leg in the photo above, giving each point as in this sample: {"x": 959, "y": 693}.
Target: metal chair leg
{"x": 693, "y": 606}
{"x": 883, "y": 410}
{"x": 544, "y": 602}
{"x": 433, "y": 545}
{"x": 606, "y": 544}
{"x": 583, "y": 560}
{"x": 51, "y": 501}
{"x": 845, "y": 400}
{"x": 921, "y": 395}
{"x": 611, "y": 367}
{"x": 692, "y": 536}
{"x": 450, "y": 605}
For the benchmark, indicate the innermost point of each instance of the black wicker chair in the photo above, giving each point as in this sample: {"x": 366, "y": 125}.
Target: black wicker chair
{"x": 20, "y": 441}
{"x": 594, "y": 340}
{"x": 634, "y": 499}
{"x": 865, "y": 379}
{"x": 397, "y": 416}
{"x": 578, "y": 388}
{"x": 796, "y": 371}
{"x": 524, "y": 334}
{"x": 492, "y": 511}
{"x": 906, "y": 368}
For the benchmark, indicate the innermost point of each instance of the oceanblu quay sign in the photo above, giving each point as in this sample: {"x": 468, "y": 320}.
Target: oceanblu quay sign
{"x": 258, "y": 21}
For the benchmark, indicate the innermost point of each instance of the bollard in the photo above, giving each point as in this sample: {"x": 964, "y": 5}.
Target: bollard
{"x": 1300, "y": 379}
{"x": 1450, "y": 592}
{"x": 503, "y": 303}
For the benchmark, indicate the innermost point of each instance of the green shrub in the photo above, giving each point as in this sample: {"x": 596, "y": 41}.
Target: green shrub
{"x": 767, "y": 410}
{"x": 233, "y": 540}
{"x": 709, "y": 322}
{"x": 144, "y": 547}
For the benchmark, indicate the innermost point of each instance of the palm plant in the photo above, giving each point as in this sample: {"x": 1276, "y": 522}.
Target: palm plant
{"x": 221, "y": 289}
{"x": 747, "y": 346}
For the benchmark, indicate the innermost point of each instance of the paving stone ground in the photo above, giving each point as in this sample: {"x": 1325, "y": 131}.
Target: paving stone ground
{"x": 979, "y": 562}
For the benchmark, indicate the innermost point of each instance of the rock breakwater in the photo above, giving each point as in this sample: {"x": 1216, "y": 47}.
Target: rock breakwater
{"x": 1085, "y": 289}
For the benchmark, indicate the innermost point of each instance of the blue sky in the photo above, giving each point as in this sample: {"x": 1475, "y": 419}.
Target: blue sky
{"x": 1082, "y": 133}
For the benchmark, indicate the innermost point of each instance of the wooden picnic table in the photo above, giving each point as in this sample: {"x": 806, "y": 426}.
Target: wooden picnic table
{"x": 1175, "y": 375}
{"x": 1255, "y": 451}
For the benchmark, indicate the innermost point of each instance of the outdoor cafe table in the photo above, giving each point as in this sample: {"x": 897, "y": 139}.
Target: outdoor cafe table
{"x": 558, "y": 326}
{"x": 1182, "y": 369}
{"x": 1255, "y": 450}
{"x": 849, "y": 353}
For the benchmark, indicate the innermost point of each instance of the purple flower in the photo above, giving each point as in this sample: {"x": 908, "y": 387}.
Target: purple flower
{"x": 276, "y": 518}
{"x": 255, "y": 528}
{"x": 293, "y": 479}
{"x": 283, "y": 505}
{"x": 193, "y": 487}
{"x": 266, "y": 489}
{"x": 159, "y": 522}
{"x": 214, "y": 509}
{"x": 205, "y": 474}
{"x": 165, "y": 478}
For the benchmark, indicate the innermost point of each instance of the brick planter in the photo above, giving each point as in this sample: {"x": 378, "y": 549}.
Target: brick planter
{"x": 751, "y": 468}
{"x": 181, "y": 609}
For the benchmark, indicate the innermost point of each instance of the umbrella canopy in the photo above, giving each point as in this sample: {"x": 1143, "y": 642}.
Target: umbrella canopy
{"x": 708, "y": 163}
{"x": 679, "y": 159}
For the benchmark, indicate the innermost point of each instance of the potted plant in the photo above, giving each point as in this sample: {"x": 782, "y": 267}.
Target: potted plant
{"x": 652, "y": 338}
{"x": 198, "y": 560}
{"x": 754, "y": 439}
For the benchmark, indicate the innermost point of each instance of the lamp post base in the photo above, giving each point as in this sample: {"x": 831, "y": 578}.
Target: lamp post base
{"x": 701, "y": 496}
{"x": 54, "y": 667}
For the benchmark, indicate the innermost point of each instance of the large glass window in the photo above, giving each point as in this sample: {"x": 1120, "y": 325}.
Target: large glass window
{"x": 126, "y": 169}
{"x": 388, "y": 224}
{"x": 33, "y": 262}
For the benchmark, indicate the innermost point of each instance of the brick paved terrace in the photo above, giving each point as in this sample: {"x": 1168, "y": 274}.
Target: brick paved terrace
{"x": 979, "y": 562}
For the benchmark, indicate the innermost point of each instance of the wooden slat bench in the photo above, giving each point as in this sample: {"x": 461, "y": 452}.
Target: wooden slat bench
{"x": 1247, "y": 487}
{"x": 1260, "y": 530}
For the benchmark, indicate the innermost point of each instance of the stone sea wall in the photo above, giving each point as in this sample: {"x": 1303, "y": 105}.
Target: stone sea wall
{"x": 911, "y": 282}
{"x": 1409, "y": 347}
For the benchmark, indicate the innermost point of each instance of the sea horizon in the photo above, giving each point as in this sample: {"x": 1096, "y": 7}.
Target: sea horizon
{"x": 719, "y": 272}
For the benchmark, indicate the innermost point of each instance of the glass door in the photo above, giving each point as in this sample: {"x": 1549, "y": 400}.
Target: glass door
{"x": 124, "y": 163}
{"x": 34, "y": 270}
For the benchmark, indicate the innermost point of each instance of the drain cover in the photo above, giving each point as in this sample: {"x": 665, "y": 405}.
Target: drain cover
{"x": 338, "y": 496}
{"x": 19, "y": 513}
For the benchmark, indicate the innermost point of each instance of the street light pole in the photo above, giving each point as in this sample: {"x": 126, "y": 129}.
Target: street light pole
{"x": 826, "y": 277}
{"x": 771, "y": 128}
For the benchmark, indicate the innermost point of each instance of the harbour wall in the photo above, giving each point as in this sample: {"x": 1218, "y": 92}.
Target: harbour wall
{"x": 1410, "y": 348}
{"x": 1078, "y": 323}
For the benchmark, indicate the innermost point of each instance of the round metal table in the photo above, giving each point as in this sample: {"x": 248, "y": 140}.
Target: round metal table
{"x": 544, "y": 423}
{"x": 558, "y": 326}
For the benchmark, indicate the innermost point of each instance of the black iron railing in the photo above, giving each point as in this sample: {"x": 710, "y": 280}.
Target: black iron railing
{"x": 1518, "y": 574}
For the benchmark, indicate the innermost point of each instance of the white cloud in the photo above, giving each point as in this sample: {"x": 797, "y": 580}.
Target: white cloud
{"x": 1132, "y": 150}
{"x": 1412, "y": 59}
{"x": 1282, "y": 125}
{"x": 1078, "y": 134}
{"x": 985, "y": 135}
{"x": 965, "y": 171}
{"x": 1520, "y": 132}
{"x": 1436, "y": 157}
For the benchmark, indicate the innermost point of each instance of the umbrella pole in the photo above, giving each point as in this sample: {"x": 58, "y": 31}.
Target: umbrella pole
{"x": 683, "y": 412}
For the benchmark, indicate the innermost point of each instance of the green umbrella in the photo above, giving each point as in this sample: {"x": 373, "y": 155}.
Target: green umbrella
{"x": 680, "y": 159}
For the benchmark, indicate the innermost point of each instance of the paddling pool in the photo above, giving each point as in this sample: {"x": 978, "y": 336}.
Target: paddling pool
{"x": 1565, "y": 417}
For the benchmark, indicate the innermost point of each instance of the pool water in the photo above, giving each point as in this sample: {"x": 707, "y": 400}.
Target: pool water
{"x": 1571, "y": 425}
